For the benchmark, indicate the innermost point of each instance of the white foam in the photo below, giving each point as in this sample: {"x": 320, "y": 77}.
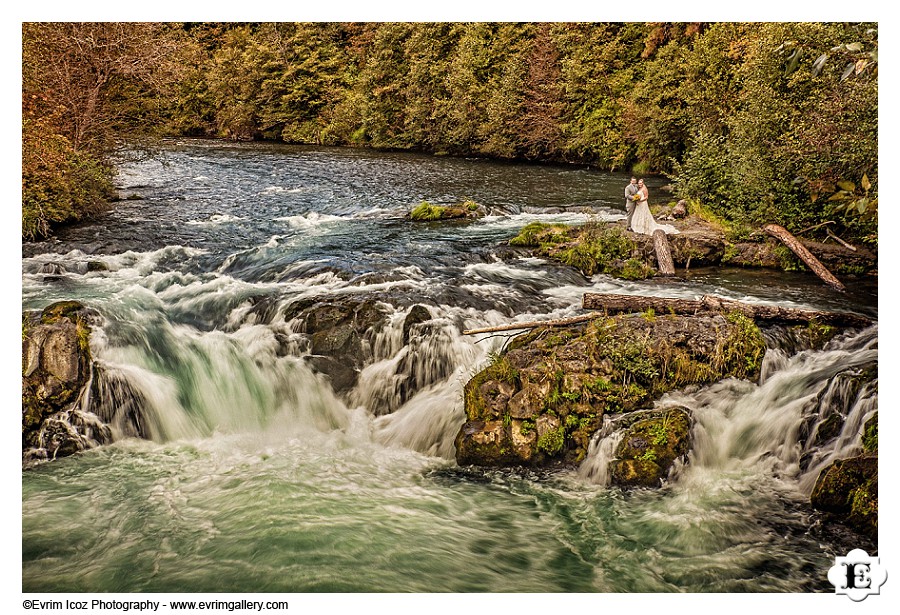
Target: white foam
{"x": 310, "y": 220}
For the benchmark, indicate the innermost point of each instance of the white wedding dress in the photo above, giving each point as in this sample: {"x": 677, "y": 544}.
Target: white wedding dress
{"x": 642, "y": 221}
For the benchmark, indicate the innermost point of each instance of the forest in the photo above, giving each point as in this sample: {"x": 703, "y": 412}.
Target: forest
{"x": 752, "y": 122}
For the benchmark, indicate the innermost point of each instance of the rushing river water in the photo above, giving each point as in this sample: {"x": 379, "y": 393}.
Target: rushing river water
{"x": 259, "y": 478}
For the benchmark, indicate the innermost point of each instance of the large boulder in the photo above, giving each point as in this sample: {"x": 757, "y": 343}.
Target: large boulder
{"x": 650, "y": 446}
{"x": 848, "y": 490}
{"x": 340, "y": 334}
{"x": 540, "y": 402}
{"x": 56, "y": 366}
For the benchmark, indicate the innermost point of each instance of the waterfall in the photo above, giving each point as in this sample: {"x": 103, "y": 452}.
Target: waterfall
{"x": 165, "y": 381}
{"x": 601, "y": 451}
{"x": 773, "y": 427}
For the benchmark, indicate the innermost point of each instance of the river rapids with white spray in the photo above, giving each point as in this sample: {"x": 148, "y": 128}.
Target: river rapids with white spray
{"x": 257, "y": 476}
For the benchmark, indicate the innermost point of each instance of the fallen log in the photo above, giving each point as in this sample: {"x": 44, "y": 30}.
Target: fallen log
{"x": 626, "y": 304}
{"x": 535, "y": 323}
{"x": 782, "y": 234}
{"x": 663, "y": 253}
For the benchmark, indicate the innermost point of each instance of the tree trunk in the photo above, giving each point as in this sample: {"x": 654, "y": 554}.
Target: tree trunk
{"x": 623, "y": 304}
{"x": 663, "y": 253}
{"x": 780, "y": 233}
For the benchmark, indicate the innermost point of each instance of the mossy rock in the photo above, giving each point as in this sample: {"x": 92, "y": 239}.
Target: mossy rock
{"x": 610, "y": 366}
{"x": 486, "y": 443}
{"x": 870, "y": 435}
{"x": 848, "y": 489}
{"x": 650, "y": 446}
{"x": 427, "y": 212}
{"x": 56, "y": 364}
{"x": 61, "y": 309}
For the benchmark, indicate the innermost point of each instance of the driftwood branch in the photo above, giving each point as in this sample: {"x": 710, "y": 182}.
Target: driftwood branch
{"x": 535, "y": 323}
{"x": 663, "y": 253}
{"x": 626, "y": 304}
{"x": 814, "y": 227}
{"x": 840, "y": 241}
{"x": 780, "y": 233}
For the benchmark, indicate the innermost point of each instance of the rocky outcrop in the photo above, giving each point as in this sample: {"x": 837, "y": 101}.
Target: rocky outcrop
{"x": 56, "y": 367}
{"x": 650, "y": 446}
{"x": 847, "y": 490}
{"x": 612, "y": 250}
{"x": 541, "y": 401}
{"x": 427, "y": 212}
{"x": 340, "y": 334}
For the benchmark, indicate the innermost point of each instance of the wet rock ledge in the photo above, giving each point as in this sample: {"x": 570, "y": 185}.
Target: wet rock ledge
{"x": 539, "y": 403}
{"x": 56, "y": 367}
{"x": 847, "y": 490}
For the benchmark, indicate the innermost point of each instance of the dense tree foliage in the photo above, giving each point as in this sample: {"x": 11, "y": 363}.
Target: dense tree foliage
{"x": 85, "y": 87}
{"x": 761, "y": 122}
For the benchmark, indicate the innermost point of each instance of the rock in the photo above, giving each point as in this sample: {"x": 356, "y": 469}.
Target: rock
{"x": 829, "y": 428}
{"x": 692, "y": 250}
{"x": 340, "y": 374}
{"x": 608, "y": 249}
{"x": 56, "y": 366}
{"x": 55, "y": 359}
{"x": 486, "y": 441}
{"x": 650, "y": 446}
{"x": 524, "y": 440}
{"x": 417, "y": 315}
{"x": 97, "y": 266}
{"x": 340, "y": 333}
{"x": 52, "y": 269}
{"x": 560, "y": 382}
{"x": 528, "y": 403}
{"x": 848, "y": 490}
{"x": 427, "y": 212}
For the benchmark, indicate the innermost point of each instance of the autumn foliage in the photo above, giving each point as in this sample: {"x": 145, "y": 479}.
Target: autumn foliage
{"x": 760, "y": 122}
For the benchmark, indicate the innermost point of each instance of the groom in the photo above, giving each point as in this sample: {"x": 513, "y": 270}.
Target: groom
{"x": 630, "y": 190}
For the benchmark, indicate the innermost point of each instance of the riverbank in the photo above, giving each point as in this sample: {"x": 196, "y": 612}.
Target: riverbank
{"x": 605, "y": 247}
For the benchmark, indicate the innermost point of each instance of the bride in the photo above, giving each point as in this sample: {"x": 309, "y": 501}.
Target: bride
{"x": 642, "y": 220}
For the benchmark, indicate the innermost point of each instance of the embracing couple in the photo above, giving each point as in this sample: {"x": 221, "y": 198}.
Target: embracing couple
{"x": 639, "y": 219}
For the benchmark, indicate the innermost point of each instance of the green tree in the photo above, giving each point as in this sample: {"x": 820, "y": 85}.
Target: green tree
{"x": 85, "y": 87}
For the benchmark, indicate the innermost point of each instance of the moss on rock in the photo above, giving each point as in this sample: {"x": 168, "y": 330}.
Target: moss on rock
{"x": 848, "y": 489}
{"x": 61, "y": 309}
{"x": 870, "y": 435}
{"x": 576, "y": 375}
{"x": 56, "y": 364}
{"x": 650, "y": 446}
{"x": 428, "y": 212}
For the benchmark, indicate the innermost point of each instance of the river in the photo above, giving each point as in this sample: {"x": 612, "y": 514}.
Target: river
{"x": 259, "y": 478}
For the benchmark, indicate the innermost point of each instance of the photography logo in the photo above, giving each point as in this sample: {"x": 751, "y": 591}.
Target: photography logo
{"x": 857, "y": 575}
